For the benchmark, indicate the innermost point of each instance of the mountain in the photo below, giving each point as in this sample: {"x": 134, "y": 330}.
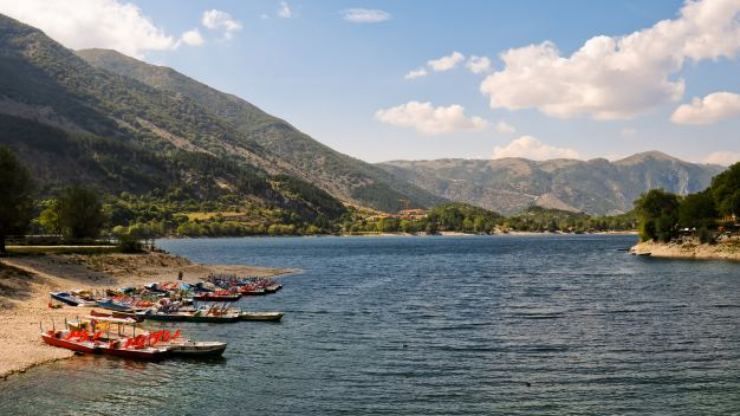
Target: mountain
{"x": 72, "y": 121}
{"x": 595, "y": 186}
{"x": 291, "y": 151}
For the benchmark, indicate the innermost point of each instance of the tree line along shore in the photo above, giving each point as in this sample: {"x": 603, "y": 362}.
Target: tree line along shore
{"x": 80, "y": 214}
{"x": 76, "y": 214}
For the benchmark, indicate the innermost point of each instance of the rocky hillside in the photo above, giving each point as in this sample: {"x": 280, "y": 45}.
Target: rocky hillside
{"x": 595, "y": 186}
{"x": 290, "y": 151}
{"x": 74, "y": 121}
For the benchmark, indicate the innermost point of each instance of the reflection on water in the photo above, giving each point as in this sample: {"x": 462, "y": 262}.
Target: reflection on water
{"x": 427, "y": 326}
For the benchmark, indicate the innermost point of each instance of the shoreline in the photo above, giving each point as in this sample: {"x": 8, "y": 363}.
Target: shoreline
{"x": 726, "y": 251}
{"x": 25, "y": 283}
{"x": 401, "y": 234}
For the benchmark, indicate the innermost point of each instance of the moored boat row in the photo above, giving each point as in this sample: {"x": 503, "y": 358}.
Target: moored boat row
{"x": 202, "y": 302}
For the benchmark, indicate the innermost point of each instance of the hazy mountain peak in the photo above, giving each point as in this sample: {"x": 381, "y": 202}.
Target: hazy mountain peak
{"x": 596, "y": 186}
{"x": 649, "y": 155}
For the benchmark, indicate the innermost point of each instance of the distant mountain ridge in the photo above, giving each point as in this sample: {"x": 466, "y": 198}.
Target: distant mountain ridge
{"x": 71, "y": 120}
{"x": 595, "y": 186}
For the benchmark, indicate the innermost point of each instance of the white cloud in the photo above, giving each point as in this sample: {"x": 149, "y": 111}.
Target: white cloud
{"x": 430, "y": 120}
{"x": 710, "y": 109}
{"x": 504, "y": 127}
{"x": 365, "y": 15}
{"x": 192, "y": 38}
{"x": 416, "y": 73}
{"x": 478, "y": 64}
{"x": 446, "y": 63}
{"x": 531, "y": 148}
{"x": 83, "y": 24}
{"x": 284, "y": 10}
{"x": 219, "y": 20}
{"x": 724, "y": 158}
{"x": 616, "y": 77}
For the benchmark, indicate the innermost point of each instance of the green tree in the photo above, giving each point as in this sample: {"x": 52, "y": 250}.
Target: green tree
{"x": 80, "y": 213}
{"x": 697, "y": 211}
{"x": 16, "y": 203}
{"x": 49, "y": 217}
{"x": 657, "y": 212}
{"x": 726, "y": 191}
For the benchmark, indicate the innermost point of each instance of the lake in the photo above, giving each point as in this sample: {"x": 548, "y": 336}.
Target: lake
{"x": 436, "y": 326}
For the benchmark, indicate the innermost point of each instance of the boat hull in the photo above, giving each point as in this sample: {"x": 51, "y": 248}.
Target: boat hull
{"x": 69, "y": 299}
{"x": 210, "y": 298}
{"x": 190, "y": 318}
{"x": 198, "y": 349}
{"x": 112, "y": 306}
{"x": 86, "y": 347}
{"x": 147, "y": 354}
{"x": 261, "y": 316}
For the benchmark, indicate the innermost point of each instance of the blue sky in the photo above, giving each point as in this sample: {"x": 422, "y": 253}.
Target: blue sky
{"x": 344, "y": 82}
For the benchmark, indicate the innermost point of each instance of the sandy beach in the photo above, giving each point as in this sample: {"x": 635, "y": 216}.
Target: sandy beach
{"x": 727, "y": 250}
{"x": 25, "y": 283}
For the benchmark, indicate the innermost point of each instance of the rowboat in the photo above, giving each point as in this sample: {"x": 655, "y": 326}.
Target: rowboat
{"x": 272, "y": 288}
{"x": 182, "y": 316}
{"x": 197, "y": 349}
{"x": 115, "y": 314}
{"x": 260, "y": 316}
{"x": 70, "y": 299}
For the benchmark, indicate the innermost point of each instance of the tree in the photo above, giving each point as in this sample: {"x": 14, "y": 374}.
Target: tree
{"x": 726, "y": 191}
{"x": 80, "y": 213}
{"x": 16, "y": 203}
{"x": 697, "y": 211}
{"x": 49, "y": 217}
{"x": 657, "y": 212}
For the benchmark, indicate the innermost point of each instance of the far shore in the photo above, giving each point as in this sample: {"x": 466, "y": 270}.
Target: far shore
{"x": 401, "y": 234}
{"x": 27, "y": 281}
{"x": 727, "y": 250}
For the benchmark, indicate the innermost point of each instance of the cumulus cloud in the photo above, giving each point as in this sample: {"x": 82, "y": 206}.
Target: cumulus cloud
{"x": 192, "y": 38}
{"x": 442, "y": 64}
{"x": 531, "y": 148}
{"x": 83, "y": 24}
{"x": 710, "y": 109}
{"x": 430, "y": 120}
{"x": 219, "y": 20}
{"x": 365, "y": 15}
{"x": 724, "y": 158}
{"x": 504, "y": 127}
{"x": 478, "y": 64}
{"x": 446, "y": 63}
{"x": 616, "y": 77}
{"x": 416, "y": 73}
{"x": 284, "y": 10}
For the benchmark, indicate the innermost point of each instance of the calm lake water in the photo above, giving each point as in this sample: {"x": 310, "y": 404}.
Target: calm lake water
{"x": 437, "y": 326}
